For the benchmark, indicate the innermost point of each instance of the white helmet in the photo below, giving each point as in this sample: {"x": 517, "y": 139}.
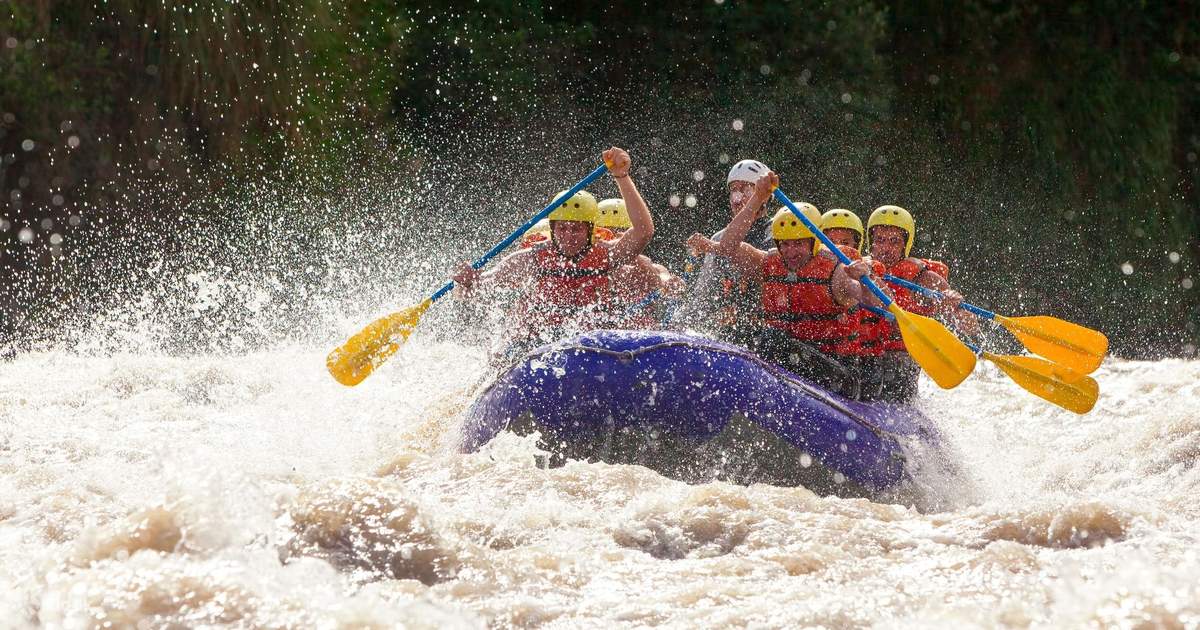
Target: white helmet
{"x": 746, "y": 171}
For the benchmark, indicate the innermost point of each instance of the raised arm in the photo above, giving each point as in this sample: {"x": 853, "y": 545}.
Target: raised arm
{"x": 746, "y": 257}
{"x": 625, "y": 249}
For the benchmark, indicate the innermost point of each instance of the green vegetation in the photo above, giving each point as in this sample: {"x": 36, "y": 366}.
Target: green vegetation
{"x": 1030, "y": 139}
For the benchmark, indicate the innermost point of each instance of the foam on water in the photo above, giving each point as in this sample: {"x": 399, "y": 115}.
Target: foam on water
{"x": 252, "y": 489}
{"x": 174, "y": 453}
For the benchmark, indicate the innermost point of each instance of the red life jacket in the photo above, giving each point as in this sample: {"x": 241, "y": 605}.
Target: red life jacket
{"x": 909, "y": 300}
{"x": 802, "y": 303}
{"x": 869, "y": 329}
{"x": 569, "y": 290}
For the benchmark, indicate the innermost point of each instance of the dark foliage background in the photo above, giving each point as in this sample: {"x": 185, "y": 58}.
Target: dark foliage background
{"x": 1048, "y": 150}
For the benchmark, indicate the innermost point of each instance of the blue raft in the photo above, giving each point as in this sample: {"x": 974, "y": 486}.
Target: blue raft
{"x": 698, "y": 409}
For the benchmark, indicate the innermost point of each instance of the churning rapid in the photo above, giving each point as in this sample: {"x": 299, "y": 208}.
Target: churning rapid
{"x": 178, "y": 456}
{"x": 149, "y": 490}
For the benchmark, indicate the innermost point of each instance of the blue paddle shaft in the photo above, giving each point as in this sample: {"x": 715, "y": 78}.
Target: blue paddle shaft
{"x": 593, "y": 176}
{"x": 878, "y": 311}
{"x": 782, "y": 198}
{"x": 636, "y": 307}
{"x": 926, "y": 291}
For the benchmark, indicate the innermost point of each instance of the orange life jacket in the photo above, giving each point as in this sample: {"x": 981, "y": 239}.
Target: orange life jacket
{"x": 869, "y": 329}
{"x": 569, "y": 290}
{"x": 801, "y": 302}
{"x": 909, "y": 300}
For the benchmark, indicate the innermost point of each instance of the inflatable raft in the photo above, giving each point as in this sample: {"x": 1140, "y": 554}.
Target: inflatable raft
{"x": 698, "y": 409}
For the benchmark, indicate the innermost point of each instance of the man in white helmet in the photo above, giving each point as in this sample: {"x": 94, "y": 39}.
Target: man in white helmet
{"x": 720, "y": 299}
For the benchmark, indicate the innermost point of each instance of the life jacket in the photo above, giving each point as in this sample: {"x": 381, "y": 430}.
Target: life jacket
{"x": 801, "y": 302}
{"x": 738, "y": 301}
{"x": 909, "y": 300}
{"x": 869, "y": 329}
{"x": 568, "y": 291}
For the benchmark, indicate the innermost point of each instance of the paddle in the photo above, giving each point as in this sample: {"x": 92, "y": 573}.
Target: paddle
{"x": 946, "y": 359}
{"x": 636, "y": 307}
{"x": 354, "y": 360}
{"x": 1079, "y": 348}
{"x": 1050, "y": 381}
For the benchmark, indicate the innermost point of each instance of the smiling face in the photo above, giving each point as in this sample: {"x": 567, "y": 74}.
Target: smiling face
{"x": 571, "y": 237}
{"x": 795, "y": 252}
{"x": 887, "y": 244}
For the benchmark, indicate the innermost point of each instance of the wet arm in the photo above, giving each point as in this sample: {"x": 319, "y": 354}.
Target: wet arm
{"x": 511, "y": 271}
{"x": 746, "y": 257}
{"x": 630, "y": 245}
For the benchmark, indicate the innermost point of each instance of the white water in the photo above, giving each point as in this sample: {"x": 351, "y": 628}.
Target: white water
{"x": 145, "y": 491}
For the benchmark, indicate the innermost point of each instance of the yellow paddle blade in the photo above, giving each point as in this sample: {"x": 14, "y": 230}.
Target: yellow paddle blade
{"x": 943, "y": 357}
{"x": 354, "y": 360}
{"x": 1081, "y": 349}
{"x": 1056, "y": 383}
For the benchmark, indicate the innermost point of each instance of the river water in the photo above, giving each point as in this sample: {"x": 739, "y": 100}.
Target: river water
{"x": 147, "y": 489}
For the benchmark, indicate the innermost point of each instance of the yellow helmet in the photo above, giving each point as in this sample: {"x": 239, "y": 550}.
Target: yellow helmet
{"x": 841, "y": 218}
{"x": 580, "y": 207}
{"x": 897, "y": 217}
{"x": 612, "y": 214}
{"x": 786, "y": 227}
